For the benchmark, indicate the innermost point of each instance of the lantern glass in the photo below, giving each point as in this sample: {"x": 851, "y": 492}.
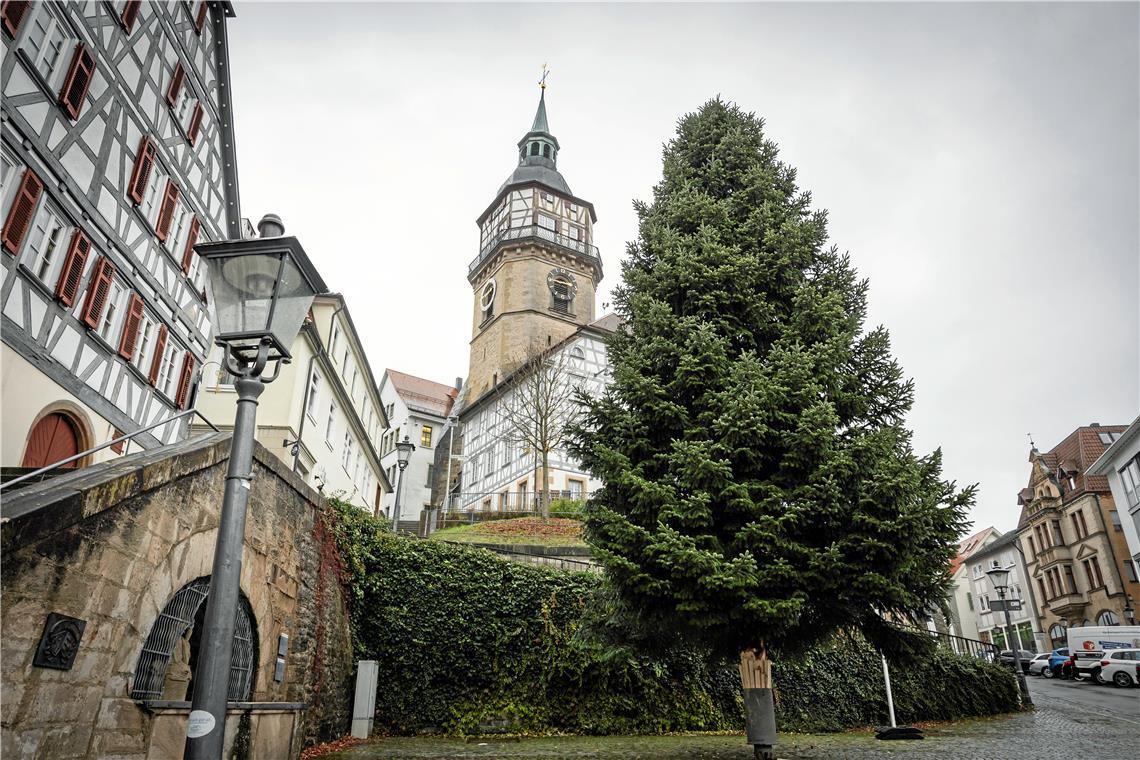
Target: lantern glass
{"x": 404, "y": 451}
{"x": 258, "y": 293}
{"x": 999, "y": 577}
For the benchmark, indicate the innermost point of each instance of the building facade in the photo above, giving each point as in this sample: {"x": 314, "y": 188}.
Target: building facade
{"x": 1120, "y": 463}
{"x": 1072, "y": 536}
{"x": 1024, "y": 630}
{"x": 118, "y": 156}
{"x": 419, "y": 409}
{"x": 323, "y": 415}
{"x": 962, "y": 597}
{"x": 534, "y": 282}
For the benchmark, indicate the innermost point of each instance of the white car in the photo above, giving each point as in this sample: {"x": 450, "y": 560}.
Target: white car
{"x": 1120, "y": 667}
{"x": 1039, "y": 664}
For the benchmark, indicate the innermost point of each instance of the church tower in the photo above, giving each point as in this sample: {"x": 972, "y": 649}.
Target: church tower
{"x": 537, "y": 270}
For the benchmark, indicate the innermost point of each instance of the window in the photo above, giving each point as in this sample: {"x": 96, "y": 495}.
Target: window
{"x": 1130, "y": 570}
{"x": 970, "y": 601}
{"x": 166, "y": 375}
{"x": 1070, "y": 580}
{"x": 1032, "y": 547}
{"x": 546, "y": 222}
{"x": 98, "y": 291}
{"x": 113, "y": 314}
{"x": 1058, "y": 536}
{"x": 46, "y": 42}
{"x": 77, "y": 82}
{"x": 132, "y": 318}
{"x": 1130, "y": 479}
{"x": 13, "y": 14}
{"x": 346, "y": 457}
{"x": 1107, "y": 437}
{"x": 1108, "y": 617}
{"x": 314, "y": 394}
{"x": 144, "y": 343}
{"x": 425, "y": 437}
{"x": 1114, "y": 518}
{"x": 1041, "y": 588}
{"x": 1058, "y": 634}
{"x": 181, "y": 219}
{"x": 153, "y": 194}
{"x": 1079, "y": 527}
{"x": 1092, "y": 572}
{"x": 330, "y": 424}
{"x": 576, "y": 487}
{"x": 430, "y": 469}
{"x": 167, "y": 211}
{"x": 45, "y": 251}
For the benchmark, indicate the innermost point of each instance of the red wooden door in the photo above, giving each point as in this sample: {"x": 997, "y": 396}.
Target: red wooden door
{"x": 53, "y": 438}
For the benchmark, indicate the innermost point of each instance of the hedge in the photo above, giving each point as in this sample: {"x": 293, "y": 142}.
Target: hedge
{"x": 467, "y": 641}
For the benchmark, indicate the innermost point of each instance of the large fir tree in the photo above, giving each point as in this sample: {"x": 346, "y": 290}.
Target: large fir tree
{"x": 760, "y": 486}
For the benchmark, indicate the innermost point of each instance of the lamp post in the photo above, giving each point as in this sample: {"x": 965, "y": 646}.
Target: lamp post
{"x": 262, "y": 290}
{"x": 404, "y": 451}
{"x": 999, "y": 577}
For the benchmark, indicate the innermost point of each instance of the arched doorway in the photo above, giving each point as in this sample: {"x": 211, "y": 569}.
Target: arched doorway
{"x": 54, "y": 437}
{"x": 165, "y": 668}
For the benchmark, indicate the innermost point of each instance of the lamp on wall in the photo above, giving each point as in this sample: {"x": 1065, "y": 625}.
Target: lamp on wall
{"x": 262, "y": 290}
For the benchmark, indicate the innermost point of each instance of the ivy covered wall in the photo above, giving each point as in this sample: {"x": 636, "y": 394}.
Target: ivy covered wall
{"x": 467, "y": 642}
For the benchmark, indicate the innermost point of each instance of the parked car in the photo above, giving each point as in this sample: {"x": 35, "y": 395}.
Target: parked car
{"x": 1120, "y": 667}
{"x": 1039, "y": 664}
{"x": 1058, "y": 659}
{"x": 1006, "y": 658}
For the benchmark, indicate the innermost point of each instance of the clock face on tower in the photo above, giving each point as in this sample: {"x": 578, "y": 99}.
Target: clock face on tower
{"x": 562, "y": 284}
{"x": 487, "y": 296}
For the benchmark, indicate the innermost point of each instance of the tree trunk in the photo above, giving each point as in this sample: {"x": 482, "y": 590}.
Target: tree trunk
{"x": 546, "y": 485}
{"x": 759, "y": 706}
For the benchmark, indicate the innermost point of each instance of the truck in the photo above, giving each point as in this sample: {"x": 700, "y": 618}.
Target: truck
{"x": 1087, "y": 644}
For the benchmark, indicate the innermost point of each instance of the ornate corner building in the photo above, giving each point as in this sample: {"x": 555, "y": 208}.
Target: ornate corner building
{"x": 118, "y": 157}
{"x": 1072, "y": 537}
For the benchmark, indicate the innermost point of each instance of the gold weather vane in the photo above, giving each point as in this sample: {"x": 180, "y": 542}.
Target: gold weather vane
{"x": 542, "y": 82}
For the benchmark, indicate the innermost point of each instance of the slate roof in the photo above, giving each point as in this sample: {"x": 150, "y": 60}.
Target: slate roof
{"x": 423, "y": 395}
{"x": 1072, "y": 457}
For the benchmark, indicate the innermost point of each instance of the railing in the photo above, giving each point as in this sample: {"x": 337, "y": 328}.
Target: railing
{"x": 534, "y": 231}
{"x": 108, "y": 444}
{"x": 519, "y": 502}
{"x": 982, "y": 650}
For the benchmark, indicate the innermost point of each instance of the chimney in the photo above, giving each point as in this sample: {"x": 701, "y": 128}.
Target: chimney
{"x": 459, "y": 383}
{"x": 1094, "y": 424}
{"x": 270, "y": 226}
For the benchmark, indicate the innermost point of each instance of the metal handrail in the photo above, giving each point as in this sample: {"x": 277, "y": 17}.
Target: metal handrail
{"x": 535, "y": 231}
{"x": 100, "y": 447}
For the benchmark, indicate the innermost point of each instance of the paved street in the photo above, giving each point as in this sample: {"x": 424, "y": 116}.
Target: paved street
{"x": 1072, "y": 720}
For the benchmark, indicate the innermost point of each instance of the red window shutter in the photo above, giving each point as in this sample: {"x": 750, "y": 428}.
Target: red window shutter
{"x": 117, "y": 447}
{"x": 201, "y": 20}
{"x": 131, "y": 327}
{"x": 130, "y": 13}
{"x": 159, "y": 349}
{"x": 195, "y": 124}
{"x": 191, "y": 240}
{"x": 20, "y": 215}
{"x": 184, "y": 380}
{"x": 144, "y": 164}
{"x": 68, "y": 286}
{"x": 175, "y": 84}
{"x": 97, "y": 293}
{"x": 166, "y": 211}
{"x": 77, "y": 81}
{"x": 13, "y": 12}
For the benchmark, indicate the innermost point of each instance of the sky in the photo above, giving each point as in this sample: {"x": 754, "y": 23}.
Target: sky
{"x": 980, "y": 164}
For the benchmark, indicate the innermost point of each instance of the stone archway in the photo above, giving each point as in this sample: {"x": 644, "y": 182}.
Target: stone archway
{"x": 165, "y": 667}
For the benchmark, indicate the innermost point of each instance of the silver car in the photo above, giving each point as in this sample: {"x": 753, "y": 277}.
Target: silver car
{"x": 1120, "y": 667}
{"x": 1039, "y": 663}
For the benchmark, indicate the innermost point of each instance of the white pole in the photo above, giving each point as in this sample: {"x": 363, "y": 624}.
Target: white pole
{"x": 890, "y": 698}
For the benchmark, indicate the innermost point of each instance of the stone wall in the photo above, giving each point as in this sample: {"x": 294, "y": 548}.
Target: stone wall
{"x": 110, "y": 545}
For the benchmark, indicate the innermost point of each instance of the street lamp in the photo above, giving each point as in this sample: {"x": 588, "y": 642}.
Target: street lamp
{"x": 262, "y": 290}
{"x": 999, "y": 577}
{"x": 404, "y": 451}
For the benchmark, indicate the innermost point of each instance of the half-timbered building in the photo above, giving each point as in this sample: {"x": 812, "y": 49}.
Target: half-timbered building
{"x": 118, "y": 156}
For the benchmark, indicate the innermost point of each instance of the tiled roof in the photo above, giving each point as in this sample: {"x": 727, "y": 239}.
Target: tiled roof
{"x": 610, "y": 322}
{"x": 969, "y": 545}
{"x": 1071, "y": 458}
{"x": 425, "y": 395}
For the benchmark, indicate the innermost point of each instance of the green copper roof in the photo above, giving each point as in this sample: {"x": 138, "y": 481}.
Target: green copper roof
{"x": 540, "y": 116}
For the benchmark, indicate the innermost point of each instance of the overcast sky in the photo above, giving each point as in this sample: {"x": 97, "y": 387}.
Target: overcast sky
{"x": 979, "y": 162}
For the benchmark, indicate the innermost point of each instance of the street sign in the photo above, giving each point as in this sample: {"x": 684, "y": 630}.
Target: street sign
{"x": 999, "y": 605}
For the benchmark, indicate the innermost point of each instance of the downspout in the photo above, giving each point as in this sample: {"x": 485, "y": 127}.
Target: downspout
{"x": 304, "y": 401}
{"x": 1029, "y": 585}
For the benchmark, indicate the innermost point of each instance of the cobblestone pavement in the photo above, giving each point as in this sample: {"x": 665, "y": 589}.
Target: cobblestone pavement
{"x": 1063, "y": 727}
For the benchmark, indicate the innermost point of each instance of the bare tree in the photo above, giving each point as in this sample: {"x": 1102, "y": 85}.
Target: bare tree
{"x": 537, "y": 408}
